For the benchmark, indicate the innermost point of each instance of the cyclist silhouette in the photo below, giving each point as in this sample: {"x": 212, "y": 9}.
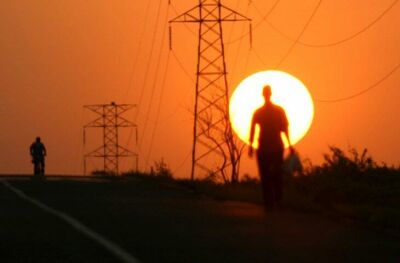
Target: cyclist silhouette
{"x": 38, "y": 152}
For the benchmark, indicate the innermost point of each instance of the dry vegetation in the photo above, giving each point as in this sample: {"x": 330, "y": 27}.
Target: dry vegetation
{"x": 347, "y": 184}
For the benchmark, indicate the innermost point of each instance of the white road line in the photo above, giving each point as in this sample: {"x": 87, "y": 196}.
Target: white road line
{"x": 119, "y": 252}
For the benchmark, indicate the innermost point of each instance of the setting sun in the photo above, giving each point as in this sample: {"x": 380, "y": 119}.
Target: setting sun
{"x": 287, "y": 92}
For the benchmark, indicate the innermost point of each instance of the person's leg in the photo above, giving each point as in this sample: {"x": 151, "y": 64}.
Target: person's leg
{"x": 35, "y": 168}
{"x": 42, "y": 166}
{"x": 264, "y": 167}
{"x": 277, "y": 175}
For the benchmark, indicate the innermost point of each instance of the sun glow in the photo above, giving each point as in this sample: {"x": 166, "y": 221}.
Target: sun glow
{"x": 287, "y": 92}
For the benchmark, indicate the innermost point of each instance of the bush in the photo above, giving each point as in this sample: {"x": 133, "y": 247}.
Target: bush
{"x": 351, "y": 184}
{"x": 161, "y": 169}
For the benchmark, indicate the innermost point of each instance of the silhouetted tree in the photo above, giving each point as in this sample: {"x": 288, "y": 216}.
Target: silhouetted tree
{"x": 228, "y": 144}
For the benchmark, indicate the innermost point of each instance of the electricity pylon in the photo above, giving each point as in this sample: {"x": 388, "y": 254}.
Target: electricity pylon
{"x": 109, "y": 118}
{"x": 213, "y": 143}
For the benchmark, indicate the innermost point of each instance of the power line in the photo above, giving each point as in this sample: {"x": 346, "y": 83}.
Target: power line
{"x": 182, "y": 163}
{"x": 238, "y": 49}
{"x": 134, "y": 64}
{"x": 156, "y": 74}
{"x": 150, "y": 58}
{"x": 135, "y": 60}
{"x": 231, "y": 29}
{"x": 180, "y": 64}
{"x": 256, "y": 25}
{"x": 146, "y": 73}
{"x": 258, "y": 56}
{"x": 186, "y": 26}
{"x": 300, "y": 35}
{"x": 376, "y": 84}
{"x": 155, "y": 78}
{"x": 158, "y": 111}
{"x": 335, "y": 43}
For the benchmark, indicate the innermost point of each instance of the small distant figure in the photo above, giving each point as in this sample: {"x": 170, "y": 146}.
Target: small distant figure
{"x": 272, "y": 121}
{"x": 38, "y": 153}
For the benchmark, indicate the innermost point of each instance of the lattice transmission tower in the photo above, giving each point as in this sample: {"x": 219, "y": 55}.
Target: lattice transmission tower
{"x": 110, "y": 120}
{"x": 214, "y": 148}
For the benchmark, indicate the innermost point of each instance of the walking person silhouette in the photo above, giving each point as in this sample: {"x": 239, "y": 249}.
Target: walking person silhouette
{"x": 38, "y": 152}
{"x": 272, "y": 121}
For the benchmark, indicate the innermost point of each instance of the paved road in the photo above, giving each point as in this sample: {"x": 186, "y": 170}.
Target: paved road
{"x": 165, "y": 223}
{"x": 27, "y": 234}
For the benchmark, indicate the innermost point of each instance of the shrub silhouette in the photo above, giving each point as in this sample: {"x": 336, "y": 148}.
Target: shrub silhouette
{"x": 161, "y": 169}
{"x": 353, "y": 184}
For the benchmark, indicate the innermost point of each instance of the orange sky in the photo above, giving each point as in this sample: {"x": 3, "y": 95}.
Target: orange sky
{"x": 59, "y": 55}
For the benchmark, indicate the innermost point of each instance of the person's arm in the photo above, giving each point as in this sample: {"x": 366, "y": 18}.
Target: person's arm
{"x": 286, "y": 131}
{"x": 44, "y": 151}
{"x": 251, "y": 139}
{"x": 31, "y": 149}
{"x": 288, "y": 139}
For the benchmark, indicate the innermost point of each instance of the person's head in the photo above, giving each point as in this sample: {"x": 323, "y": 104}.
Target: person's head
{"x": 267, "y": 93}
{"x": 38, "y": 139}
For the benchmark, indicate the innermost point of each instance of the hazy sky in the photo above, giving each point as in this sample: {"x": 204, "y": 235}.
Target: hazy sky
{"x": 57, "y": 56}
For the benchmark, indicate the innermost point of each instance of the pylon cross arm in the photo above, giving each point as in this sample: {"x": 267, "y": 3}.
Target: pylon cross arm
{"x": 122, "y": 122}
{"x": 95, "y": 123}
{"x": 124, "y": 107}
{"x": 230, "y": 15}
{"x": 99, "y": 152}
{"x": 192, "y": 15}
{"x": 98, "y": 109}
{"x": 123, "y": 152}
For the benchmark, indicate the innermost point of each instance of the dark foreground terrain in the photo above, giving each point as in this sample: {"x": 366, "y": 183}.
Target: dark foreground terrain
{"x": 161, "y": 222}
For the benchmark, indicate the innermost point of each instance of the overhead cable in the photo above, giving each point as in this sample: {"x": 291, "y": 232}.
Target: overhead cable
{"x": 376, "y": 84}
{"x": 256, "y": 25}
{"x": 163, "y": 83}
{"x": 300, "y": 35}
{"x": 180, "y": 64}
{"x": 153, "y": 87}
{"x": 149, "y": 60}
{"x": 139, "y": 102}
{"x": 135, "y": 60}
{"x": 337, "y": 42}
